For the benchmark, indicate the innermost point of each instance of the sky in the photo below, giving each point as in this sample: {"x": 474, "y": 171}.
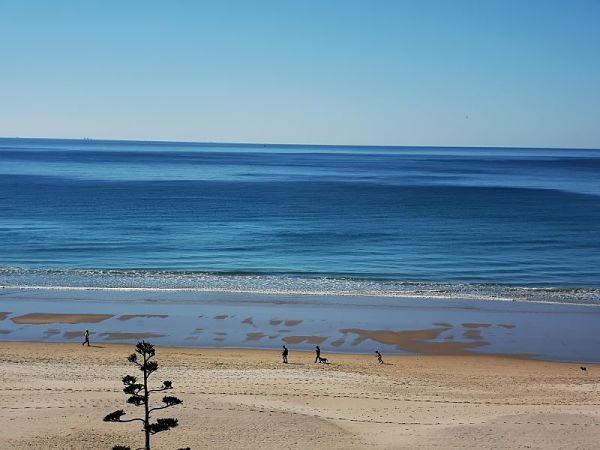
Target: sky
{"x": 372, "y": 72}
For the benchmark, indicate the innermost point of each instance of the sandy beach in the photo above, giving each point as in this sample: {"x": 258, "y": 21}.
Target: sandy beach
{"x": 54, "y": 396}
{"x": 340, "y": 225}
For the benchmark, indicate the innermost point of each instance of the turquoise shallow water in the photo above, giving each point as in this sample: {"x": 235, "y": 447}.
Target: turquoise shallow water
{"x": 418, "y": 222}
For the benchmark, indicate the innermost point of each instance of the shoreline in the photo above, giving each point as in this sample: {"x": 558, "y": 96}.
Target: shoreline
{"x": 352, "y": 325}
{"x": 426, "y": 296}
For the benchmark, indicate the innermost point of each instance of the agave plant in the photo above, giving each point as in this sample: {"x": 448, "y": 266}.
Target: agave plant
{"x": 139, "y": 395}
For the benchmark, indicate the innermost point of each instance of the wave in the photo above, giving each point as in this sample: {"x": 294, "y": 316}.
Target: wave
{"x": 284, "y": 284}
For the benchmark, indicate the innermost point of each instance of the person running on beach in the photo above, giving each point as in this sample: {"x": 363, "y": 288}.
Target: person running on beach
{"x": 284, "y": 353}
{"x": 379, "y": 357}
{"x": 318, "y": 353}
{"x": 87, "y": 338}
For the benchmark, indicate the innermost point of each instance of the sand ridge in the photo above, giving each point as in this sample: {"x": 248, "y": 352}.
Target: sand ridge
{"x": 48, "y": 318}
{"x": 417, "y": 341}
{"x": 125, "y": 317}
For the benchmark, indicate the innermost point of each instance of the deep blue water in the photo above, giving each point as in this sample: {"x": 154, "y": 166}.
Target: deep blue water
{"x": 457, "y": 222}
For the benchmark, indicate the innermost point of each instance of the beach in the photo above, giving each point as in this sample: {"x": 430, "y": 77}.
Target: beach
{"x": 474, "y": 271}
{"x": 344, "y": 324}
{"x": 54, "y": 396}
{"x": 341, "y": 225}
{"x": 458, "y": 373}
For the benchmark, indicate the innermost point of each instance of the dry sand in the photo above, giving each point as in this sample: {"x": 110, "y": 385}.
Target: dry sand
{"x": 55, "y": 395}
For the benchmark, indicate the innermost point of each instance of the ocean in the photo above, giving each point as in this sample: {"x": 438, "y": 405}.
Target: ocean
{"x": 455, "y": 223}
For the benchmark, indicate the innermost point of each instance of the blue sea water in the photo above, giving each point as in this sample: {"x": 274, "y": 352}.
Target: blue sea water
{"x": 513, "y": 224}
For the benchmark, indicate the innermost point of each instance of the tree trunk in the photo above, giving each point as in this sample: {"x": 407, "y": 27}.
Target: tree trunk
{"x": 146, "y": 411}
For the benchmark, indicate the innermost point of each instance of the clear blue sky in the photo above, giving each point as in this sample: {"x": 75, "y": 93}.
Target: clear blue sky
{"x": 448, "y": 72}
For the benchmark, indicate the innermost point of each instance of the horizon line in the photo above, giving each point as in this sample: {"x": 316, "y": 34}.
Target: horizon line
{"x": 279, "y": 144}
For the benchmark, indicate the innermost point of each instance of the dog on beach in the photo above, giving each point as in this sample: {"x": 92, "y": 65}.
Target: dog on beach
{"x": 583, "y": 368}
{"x": 323, "y": 360}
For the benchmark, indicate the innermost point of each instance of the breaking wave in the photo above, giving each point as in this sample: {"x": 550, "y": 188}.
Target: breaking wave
{"x": 284, "y": 284}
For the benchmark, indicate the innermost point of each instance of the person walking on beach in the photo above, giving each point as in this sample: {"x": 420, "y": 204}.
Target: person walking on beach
{"x": 318, "y": 353}
{"x": 284, "y": 353}
{"x": 379, "y": 357}
{"x": 87, "y": 338}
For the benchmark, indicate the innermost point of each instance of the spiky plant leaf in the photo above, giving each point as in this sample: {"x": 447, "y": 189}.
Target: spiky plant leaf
{"x": 171, "y": 401}
{"x": 129, "y": 379}
{"x": 163, "y": 425}
{"x": 133, "y": 389}
{"x": 135, "y": 400}
{"x": 114, "y": 416}
{"x": 151, "y": 366}
{"x": 145, "y": 348}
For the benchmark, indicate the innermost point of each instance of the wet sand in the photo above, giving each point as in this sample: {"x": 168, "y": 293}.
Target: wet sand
{"x": 127, "y": 336}
{"x": 301, "y": 339}
{"x": 55, "y": 395}
{"x": 344, "y": 324}
{"x": 46, "y": 318}
{"x": 254, "y": 336}
{"x": 415, "y": 341}
{"x": 141, "y": 316}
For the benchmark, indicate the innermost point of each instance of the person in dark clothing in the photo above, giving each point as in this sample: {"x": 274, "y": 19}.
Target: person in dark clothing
{"x": 379, "y": 357}
{"x": 284, "y": 353}
{"x": 87, "y": 338}
{"x": 318, "y": 353}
